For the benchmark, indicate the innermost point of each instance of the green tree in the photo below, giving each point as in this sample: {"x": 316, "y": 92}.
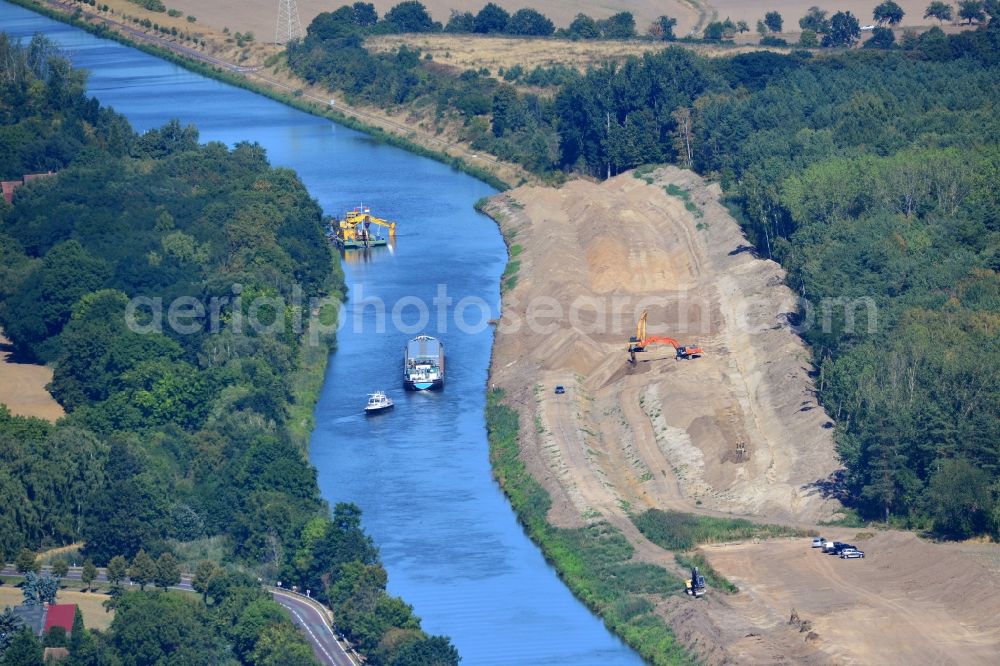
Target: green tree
{"x": 714, "y": 31}
{"x": 428, "y": 651}
{"x": 55, "y": 637}
{"x": 409, "y": 16}
{"x": 663, "y": 28}
{"x": 88, "y": 573}
{"x": 24, "y": 650}
{"x": 39, "y": 311}
{"x": 168, "y": 571}
{"x": 959, "y": 499}
{"x": 618, "y": 26}
{"x": 203, "y": 575}
{"x": 77, "y": 634}
{"x": 530, "y": 22}
{"x": 164, "y": 627}
{"x": 815, "y": 20}
{"x": 26, "y": 561}
{"x": 882, "y": 38}
{"x": 808, "y": 39}
{"x": 773, "y": 21}
{"x": 117, "y": 569}
{"x": 125, "y": 514}
{"x": 888, "y": 13}
{"x": 844, "y": 30}
{"x": 491, "y": 19}
{"x": 460, "y": 22}
{"x": 583, "y": 27}
{"x": 39, "y": 589}
{"x": 281, "y": 644}
{"x": 143, "y": 569}
{"x": 60, "y": 567}
{"x": 9, "y": 625}
{"x": 364, "y": 14}
{"x": 742, "y": 26}
{"x": 942, "y": 11}
{"x": 971, "y": 10}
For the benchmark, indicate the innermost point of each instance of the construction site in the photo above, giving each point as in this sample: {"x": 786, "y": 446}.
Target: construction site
{"x": 686, "y": 387}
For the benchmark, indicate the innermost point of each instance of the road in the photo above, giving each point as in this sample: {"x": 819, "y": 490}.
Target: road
{"x": 311, "y": 618}
{"x": 314, "y": 624}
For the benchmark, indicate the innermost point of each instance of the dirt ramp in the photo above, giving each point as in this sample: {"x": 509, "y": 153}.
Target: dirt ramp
{"x": 737, "y": 430}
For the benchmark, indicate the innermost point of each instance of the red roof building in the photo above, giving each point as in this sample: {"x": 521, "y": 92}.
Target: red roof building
{"x": 60, "y": 615}
{"x": 8, "y": 186}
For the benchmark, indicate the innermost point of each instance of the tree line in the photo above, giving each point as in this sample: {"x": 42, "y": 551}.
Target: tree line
{"x": 174, "y": 436}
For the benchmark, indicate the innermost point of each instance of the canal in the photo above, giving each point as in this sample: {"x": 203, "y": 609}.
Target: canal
{"x": 421, "y": 474}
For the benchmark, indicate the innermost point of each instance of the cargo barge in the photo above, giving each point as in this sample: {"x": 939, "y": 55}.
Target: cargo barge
{"x": 423, "y": 364}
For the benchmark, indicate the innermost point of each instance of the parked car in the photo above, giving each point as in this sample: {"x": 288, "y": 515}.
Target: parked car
{"x": 560, "y": 390}
{"x": 837, "y": 550}
{"x": 818, "y": 542}
{"x": 851, "y": 554}
{"x": 828, "y": 546}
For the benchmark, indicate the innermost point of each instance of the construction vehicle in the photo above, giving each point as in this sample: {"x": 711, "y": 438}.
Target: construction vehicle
{"x": 355, "y": 230}
{"x": 640, "y": 341}
{"x": 695, "y": 585}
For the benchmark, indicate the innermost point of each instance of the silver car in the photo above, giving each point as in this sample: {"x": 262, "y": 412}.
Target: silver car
{"x": 818, "y": 542}
{"x": 851, "y": 554}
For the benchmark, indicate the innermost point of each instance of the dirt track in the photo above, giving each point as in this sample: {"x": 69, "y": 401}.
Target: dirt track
{"x": 736, "y": 431}
{"x": 22, "y": 386}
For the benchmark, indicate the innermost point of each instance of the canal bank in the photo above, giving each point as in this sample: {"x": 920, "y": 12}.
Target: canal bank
{"x": 193, "y": 61}
{"x": 450, "y": 543}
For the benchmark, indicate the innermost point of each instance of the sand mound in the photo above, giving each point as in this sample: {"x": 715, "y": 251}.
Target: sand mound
{"x": 736, "y": 431}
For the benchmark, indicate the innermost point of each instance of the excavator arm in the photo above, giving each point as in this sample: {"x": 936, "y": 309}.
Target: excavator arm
{"x": 640, "y": 341}
{"x": 363, "y": 217}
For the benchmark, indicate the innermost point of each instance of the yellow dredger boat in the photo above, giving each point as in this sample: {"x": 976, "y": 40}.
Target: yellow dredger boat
{"x": 355, "y": 230}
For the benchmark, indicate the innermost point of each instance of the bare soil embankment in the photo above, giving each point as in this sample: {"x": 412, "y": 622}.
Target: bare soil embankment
{"x": 22, "y": 386}
{"x": 737, "y": 431}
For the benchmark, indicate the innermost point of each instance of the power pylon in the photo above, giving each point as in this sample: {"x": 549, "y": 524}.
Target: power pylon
{"x": 288, "y": 27}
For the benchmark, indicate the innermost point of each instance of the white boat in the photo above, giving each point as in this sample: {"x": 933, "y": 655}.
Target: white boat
{"x": 378, "y": 402}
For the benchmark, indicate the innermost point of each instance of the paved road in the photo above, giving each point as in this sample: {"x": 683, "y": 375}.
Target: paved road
{"x": 314, "y": 625}
{"x": 309, "y": 616}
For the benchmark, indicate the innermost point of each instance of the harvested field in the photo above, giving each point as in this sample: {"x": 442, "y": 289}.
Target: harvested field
{"x": 476, "y": 52}
{"x": 94, "y": 614}
{"x": 22, "y": 386}
{"x": 792, "y": 10}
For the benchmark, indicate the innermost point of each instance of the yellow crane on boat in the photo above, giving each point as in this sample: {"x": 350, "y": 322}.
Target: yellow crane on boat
{"x": 355, "y": 230}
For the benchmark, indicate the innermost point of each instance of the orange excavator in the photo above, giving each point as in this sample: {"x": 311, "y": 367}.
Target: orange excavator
{"x": 640, "y": 341}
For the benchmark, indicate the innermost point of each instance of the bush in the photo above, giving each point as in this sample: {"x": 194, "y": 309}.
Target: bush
{"x": 674, "y": 530}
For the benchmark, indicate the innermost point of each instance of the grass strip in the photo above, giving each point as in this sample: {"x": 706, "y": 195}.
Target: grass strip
{"x": 594, "y": 561}
{"x": 678, "y": 531}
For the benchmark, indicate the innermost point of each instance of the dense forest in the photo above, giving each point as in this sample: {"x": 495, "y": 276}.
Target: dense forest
{"x": 869, "y": 174}
{"x": 178, "y": 438}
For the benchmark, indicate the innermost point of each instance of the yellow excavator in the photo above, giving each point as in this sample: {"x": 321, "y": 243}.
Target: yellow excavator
{"x": 695, "y": 585}
{"x": 355, "y": 230}
{"x": 640, "y": 341}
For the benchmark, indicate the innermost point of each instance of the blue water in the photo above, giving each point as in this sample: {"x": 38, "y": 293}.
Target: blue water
{"x": 420, "y": 473}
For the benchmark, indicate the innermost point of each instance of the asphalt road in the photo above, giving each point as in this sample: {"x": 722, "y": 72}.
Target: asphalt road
{"x": 312, "y": 623}
{"x": 305, "y": 613}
